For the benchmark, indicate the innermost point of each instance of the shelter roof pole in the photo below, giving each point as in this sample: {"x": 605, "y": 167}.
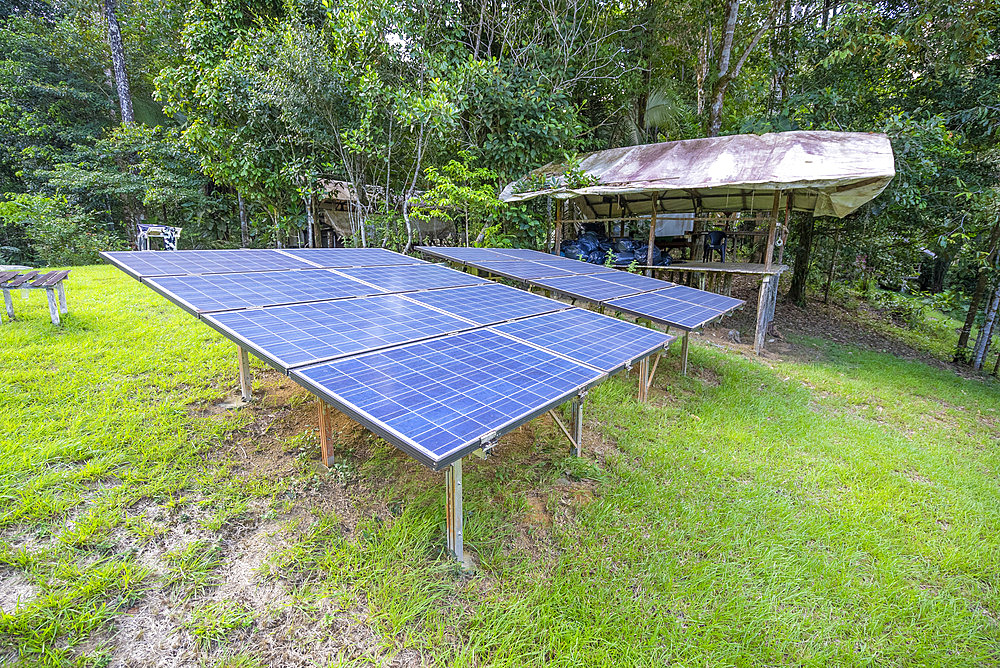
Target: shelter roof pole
{"x": 558, "y": 231}
{"x": 652, "y": 235}
{"x": 772, "y": 230}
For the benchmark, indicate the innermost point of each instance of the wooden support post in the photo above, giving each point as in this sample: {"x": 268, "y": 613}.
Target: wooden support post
{"x": 652, "y": 234}
{"x": 61, "y": 289}
{"x": 643, "y": 378}
{"x": 326, "y": 454}
{"x": 784, "y": 230}
{"x": 9, "y": 304}
{"x": 684, "y": 353}
{"x": 728, "y": 285}
{"x": 53, "y": 307}
{"x": 453, "y": 510}
{"x": 246, "y": 387}
{"x": 760, "y": 333}
{"x": 701, "y": 280}
{"x": 578, "y": 425}
{"x": 772, "y": 230}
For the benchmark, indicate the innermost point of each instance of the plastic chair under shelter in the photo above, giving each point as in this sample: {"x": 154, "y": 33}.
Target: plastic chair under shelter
{"x": 715, "y": 241}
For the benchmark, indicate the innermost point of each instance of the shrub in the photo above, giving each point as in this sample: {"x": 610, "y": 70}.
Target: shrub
{"x": 59, "y": 231}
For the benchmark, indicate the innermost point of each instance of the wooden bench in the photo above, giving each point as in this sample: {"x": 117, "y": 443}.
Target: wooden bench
{"x": 51, "y": 282}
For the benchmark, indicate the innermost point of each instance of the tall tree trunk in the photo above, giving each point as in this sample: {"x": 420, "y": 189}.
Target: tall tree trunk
{"x": 977, "y": 295}
{"x": 804, "y": 231}
{"x": 310, "y": 221}
{"x": 118, "y": 62}
{"x": 986, "y": 333}
{"x": 244, "y": 225}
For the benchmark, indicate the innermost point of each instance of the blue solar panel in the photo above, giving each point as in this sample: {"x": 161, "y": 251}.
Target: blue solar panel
{"x": 524, "y": 253}
{"x": 441, "y": 399}
{"x": 487, "y": 304}
{"x": 178, "y": 263}
{"x": 521, "y": 269}
{"x": 573, "y": 266}
{"x": 300, "y": 334}
{"x": 462, "y": 254}
{"x": 591, "y": 288}
{"x": 351, "y": 257}
{"x": 704, "y": 298}
{"x": 217, "y": 292}
{"x": 636, "y": 282}
{"x": 416, "y": 277}
{"x": 588, "y": 337}
{"x": 662, "y": 308}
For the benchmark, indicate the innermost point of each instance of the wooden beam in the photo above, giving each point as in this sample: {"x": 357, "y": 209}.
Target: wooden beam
{"x": 326, "y": 454}
{"x": 760, "y": 333}
{"x": 772, "y": 230}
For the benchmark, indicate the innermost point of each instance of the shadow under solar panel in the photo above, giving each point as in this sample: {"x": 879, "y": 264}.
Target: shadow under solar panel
{"x": 441, "y": 399}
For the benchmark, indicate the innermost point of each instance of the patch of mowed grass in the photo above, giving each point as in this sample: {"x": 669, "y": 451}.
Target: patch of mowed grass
{"x": 213, "y": 623}
{"x": 841, "y": 512}
{"x": 94, "y": 420}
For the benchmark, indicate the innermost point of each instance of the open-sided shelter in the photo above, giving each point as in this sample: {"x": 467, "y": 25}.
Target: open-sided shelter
{"x": 771, "y": 175}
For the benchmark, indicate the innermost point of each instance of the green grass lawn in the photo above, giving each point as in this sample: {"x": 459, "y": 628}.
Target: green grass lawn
{"x": 838, "y": 512}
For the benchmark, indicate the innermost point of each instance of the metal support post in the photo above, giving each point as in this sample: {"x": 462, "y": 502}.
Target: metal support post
{"x": 245, "y": 382}
{"x": 326, "y": 456}
{"x": 453, "y": 510}
{"x": 684, "y": 353}
{"x": 578, "y": 425}
{"x": 9, "y": 304}
{"x": 53, "y": 307}
{"x": 61, "y": 289}
{"x": 643, "y": 378}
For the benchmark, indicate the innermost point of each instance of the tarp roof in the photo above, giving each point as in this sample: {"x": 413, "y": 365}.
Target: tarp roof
{"x": 826, "y": 173}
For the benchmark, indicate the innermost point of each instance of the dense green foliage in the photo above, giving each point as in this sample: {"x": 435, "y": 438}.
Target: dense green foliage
{"x": 271, "y": 100}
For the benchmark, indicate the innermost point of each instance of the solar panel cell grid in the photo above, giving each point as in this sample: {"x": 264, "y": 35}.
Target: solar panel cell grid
{"x": 306, "y": 333}
{"x": 178, "y": 263}
{"x": 487, "y": 304}
{"x": 463, "y": 255}
{"x": 351, "y": 257}
{"x": 591, "y": 288}
{"x": 588, "y": 337}
{"x": 704, "y": 298}
{"x": 440, "y": 398}
{"x": 411, "y": 278}
{"x": 660, "y": 307}
{"x": 218, "y": 292}
{"x": 522, "y": 269}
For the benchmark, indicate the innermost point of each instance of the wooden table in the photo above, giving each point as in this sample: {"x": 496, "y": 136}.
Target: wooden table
{"x": 51, "y": 282}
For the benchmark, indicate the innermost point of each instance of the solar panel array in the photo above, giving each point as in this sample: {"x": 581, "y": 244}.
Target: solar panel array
{"x": 437, "y": 361}
{"x": 641, "y": 296}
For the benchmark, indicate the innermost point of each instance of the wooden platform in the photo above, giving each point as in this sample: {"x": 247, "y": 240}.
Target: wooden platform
{"x": 721, "y": 268}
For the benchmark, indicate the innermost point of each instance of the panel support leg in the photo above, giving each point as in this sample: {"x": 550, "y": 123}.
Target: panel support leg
{"x": 684, "y": 353}
{"x": 9, "y": 304}
{"x": 578, "y": 425}
{"x": 245, "y": 382}
{"x": 326, "y": 456}
{"x": 53, "y": 307}
{"x": 453, "y": 510}
{"x": 61, "y": 289}
{"x": 643, "y": 378}
{"x": 760, "y": 333}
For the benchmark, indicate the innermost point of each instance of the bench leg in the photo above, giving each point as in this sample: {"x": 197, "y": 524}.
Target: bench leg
{"x": 53, "y": 307}
{"x": 61, "y": 289}
{"x": 9, "y": 304}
